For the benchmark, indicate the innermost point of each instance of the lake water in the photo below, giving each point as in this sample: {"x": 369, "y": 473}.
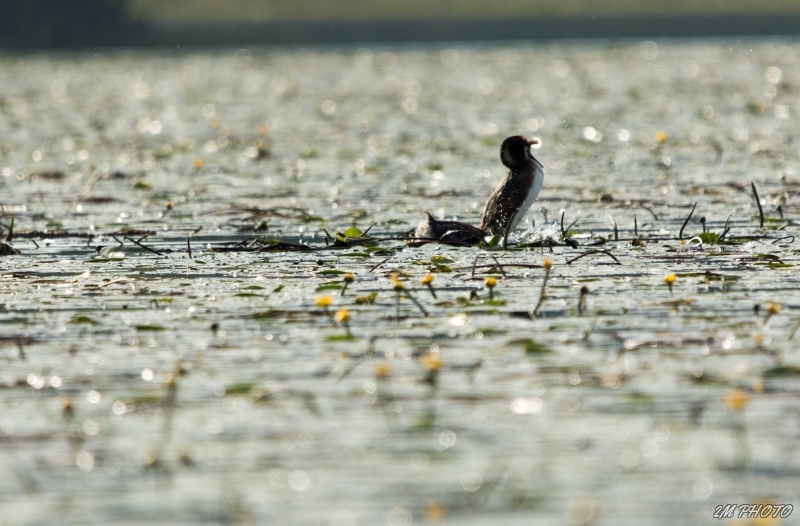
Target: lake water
{"x": 210, "y": 388}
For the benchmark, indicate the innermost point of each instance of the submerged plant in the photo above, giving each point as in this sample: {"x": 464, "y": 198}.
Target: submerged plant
{"x": 548, "y": 266}
{"x": 582, "y": 299}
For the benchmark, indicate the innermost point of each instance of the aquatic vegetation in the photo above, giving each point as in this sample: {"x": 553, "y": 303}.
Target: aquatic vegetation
{"x": 216, "y": 293}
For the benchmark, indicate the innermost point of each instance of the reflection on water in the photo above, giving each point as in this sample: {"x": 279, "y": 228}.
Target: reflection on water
{"x": 143, "y": 383}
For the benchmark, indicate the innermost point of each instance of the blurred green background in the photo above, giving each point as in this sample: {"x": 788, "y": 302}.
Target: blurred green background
{"x": 88, "y": 23}
{"x": 273, "y": 10}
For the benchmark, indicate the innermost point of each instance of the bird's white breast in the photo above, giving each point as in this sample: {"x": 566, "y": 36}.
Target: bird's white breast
{"x": 538, "y": 181}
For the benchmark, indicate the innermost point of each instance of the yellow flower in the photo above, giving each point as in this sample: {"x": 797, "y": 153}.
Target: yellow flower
{"x": 65, "y": 403}
{"x": 661, "y": 137}
{"x": 427, "y": 280}
{"x": 547, "y": 264}
{"x": 170, "y": 381}
{"x": 770, "y": 519}
{"x": 383, "y": 369}
{"x": 396, "y": 283}
{"x": 773, "y": 308}
{"x": 736, "y": 399}
{"x": 349, "y": 277}
{"x": 431, "y": 361}
{"x": 323, "y": 301}
{"x": 490, "y": 282}
{"x": 198, "y": 164}
{"x": 342, "y": 316}
{"x": 435, "y": 511}
{"x": 669, "y": 279}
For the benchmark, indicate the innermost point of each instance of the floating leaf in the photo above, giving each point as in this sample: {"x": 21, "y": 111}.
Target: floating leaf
{"x": 341, "y": 338}
{"x": 641, "y": 398}
{"x": 82, "y": 319}
{"x": 709, "y": 237}
{"x": 490, "y": 331}
{"x": 330, "y": 285}
{"x": 782, "y": 370}
{"x": 369, "y": 299}
{"x": 268, "y": 314}
{"x": 441, "y": 259}
{"x": 239, "y": 389}
{"x": 530, "y": 346}
{"x": 149, "y": 327}
{"x": 379, "y": 251}
{"x": 352, "y": 232}
{"x": 494, "y": 240}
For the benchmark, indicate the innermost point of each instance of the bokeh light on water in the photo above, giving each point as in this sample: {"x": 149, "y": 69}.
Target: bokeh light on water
{"x": 217, "y": 390}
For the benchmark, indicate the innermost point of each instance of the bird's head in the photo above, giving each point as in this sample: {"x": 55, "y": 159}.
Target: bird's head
{"x": 516, "y": 151}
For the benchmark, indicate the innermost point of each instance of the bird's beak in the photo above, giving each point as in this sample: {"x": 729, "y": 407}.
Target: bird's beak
{"x": 533, "y": 142}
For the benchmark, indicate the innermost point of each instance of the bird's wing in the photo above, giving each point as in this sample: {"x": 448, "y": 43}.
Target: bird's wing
{"x": 495, "y": 216}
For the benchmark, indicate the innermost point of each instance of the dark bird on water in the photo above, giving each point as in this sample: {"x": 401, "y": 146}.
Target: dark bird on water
{"x": 431, "y": 229}
{"x": 505, "y": 208}
{"x": 515, "y": 194}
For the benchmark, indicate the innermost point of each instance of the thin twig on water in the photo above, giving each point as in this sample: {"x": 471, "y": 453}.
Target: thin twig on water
{"x": 591, "y": 329}
{"x": 589, "y": 253}
{"x": 725, "y": 230}
{"x": 680, "y": 234}
{"x": 144, "y": 247}
{"x": 381, "y": 263}
{"x": 616, "y": 232}
{"x": 365, "y": 232}
{"x": 475, "y": 262}
{"x": 758, "y": 202}
{"x": 499, "y": 266}
{"x": 548, "y": 265}
{"x": 568, "y": 240}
